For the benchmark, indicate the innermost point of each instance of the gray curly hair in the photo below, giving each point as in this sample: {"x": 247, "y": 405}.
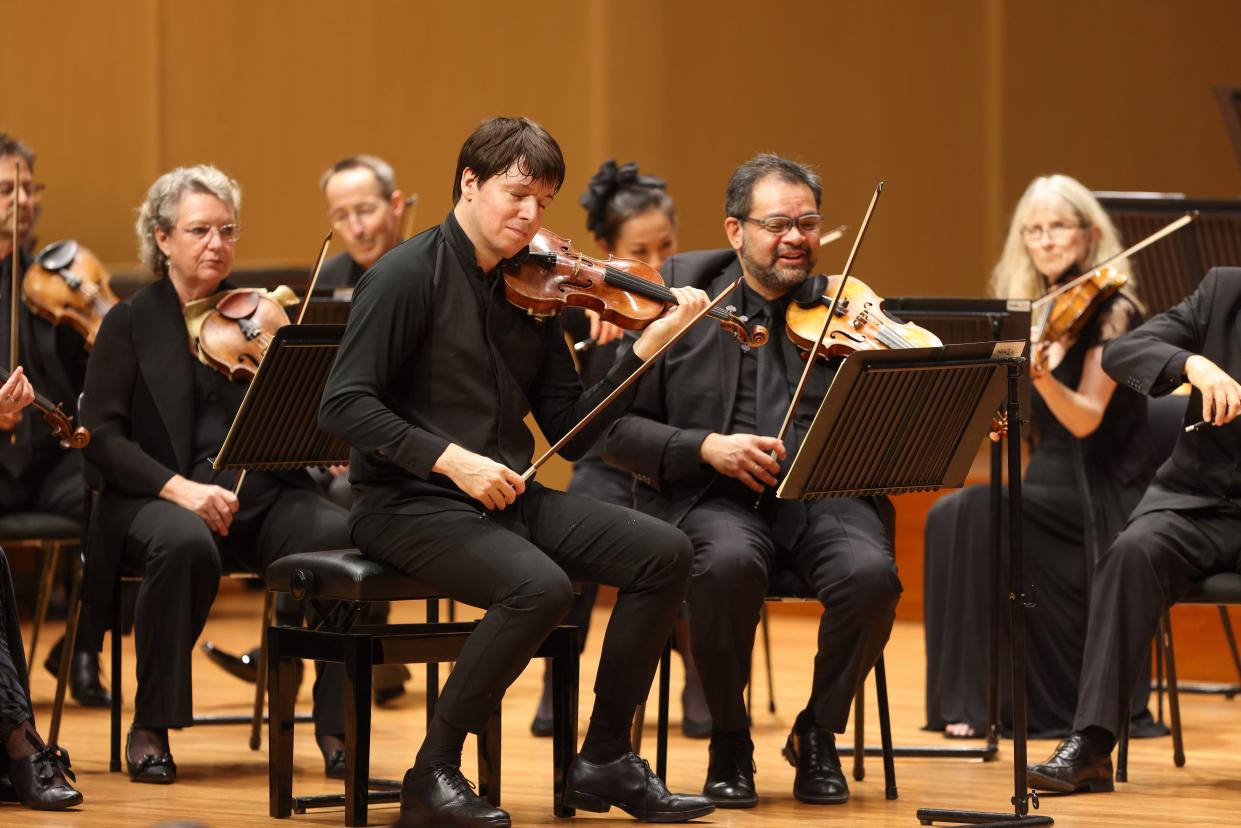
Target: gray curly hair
{"x": 163, "y": 201}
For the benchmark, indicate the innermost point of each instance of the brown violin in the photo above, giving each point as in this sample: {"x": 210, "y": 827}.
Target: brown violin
{"x": 235, "y": 336}
{"x": 68, "y": 284}
{"x": 1070, "y": 310}
{"x": 859, "y": 323}
{"x": 625, "y": 292}
{"x": 56, "y": 418}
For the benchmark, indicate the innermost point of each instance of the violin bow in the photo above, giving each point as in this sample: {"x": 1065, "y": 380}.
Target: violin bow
{"x": 14, "y": 342}
{"x": 831, "y": 311}
{"x": 833, "y": 235}
{"x": 310, "y": 290}
{"x": 411, "y": 210}
{"x": 1167, "y": 230}
{"x": 629, "y": 380}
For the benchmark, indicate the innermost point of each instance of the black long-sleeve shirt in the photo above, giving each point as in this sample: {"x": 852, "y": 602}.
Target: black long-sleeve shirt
{"x": 434, "y": 354}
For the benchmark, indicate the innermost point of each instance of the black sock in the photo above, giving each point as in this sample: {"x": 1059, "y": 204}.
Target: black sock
{"x": 1099, "y": 741}
{"x": 607, "y": 737}
{"x": 720, "y": 736}
{"x": 441, "y": 748}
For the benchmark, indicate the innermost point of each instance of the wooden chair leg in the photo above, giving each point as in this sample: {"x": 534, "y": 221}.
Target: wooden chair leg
{"x": 885, "y": 731}
{"x": 489, "y": 754}
{"x": 66, "y": 653}
{"x": 564, "y": 716}
{"x": 1174, "y": 701}
{"x": 433, "y": 668}
{"x": 635, "y": 729}
{"x": 661, "y": 735}
{"x": 358, "y": 667}
{"x": 859, "y": 732}
{"x": 260, "y": 679}
{"x": 1122, "y": 741}
{"x": 280, "y": 717}
{"x": 114, "y": 763}
{"x": 51, "y": 561}
{"x": 771, "y": 681}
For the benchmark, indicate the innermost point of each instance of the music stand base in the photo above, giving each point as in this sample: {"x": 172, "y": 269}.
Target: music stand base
{"x": 926, "y": 816}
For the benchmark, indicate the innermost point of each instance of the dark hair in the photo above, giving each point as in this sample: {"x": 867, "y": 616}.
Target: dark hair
{"x": 616, "y": 195}
{"x": 740, "y": 193}
{"x": 378, "y": 167}
{"x": 499, "y": 143}
{"x": 11, "y": 146}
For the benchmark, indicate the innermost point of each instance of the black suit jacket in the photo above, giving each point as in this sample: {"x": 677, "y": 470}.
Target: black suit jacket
{"x": 1205, "y": 466}
{"x": 139, "y": 407}
{"x": 688, "y": 394}
{"x": 340, "y": 271}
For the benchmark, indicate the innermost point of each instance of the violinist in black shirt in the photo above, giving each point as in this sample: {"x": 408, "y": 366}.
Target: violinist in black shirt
{"x": 700, "y": 437}
{"x": 434, "y": 377}
{"x": 157, "y": 415}
{"x": 35, "y": 474}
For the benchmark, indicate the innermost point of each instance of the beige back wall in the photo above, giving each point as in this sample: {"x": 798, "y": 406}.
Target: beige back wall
{"x": 954, "y": 105}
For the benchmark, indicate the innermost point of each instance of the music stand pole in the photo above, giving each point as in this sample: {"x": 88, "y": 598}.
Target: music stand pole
{"x": 1023, "y": 797}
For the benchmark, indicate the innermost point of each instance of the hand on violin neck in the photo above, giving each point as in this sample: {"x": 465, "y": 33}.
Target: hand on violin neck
{"x": 214, "y": 504}
{"x": 745, "y": 457}
{"x": 490, "y": 483}
{"x": 15, "y": 395}
{"x": 1221, "y": 395}
{"x": 690, "y": 302}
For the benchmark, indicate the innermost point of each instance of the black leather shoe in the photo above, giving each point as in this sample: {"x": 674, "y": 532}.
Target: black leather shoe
{"x": 244, "y": 666}
{"x": 1073, "y": 767}
{"x": 445, "y": 791}
{"x": 819, "y": 779}
{"x": 153, "y": 768}
{"x": 39, "y": 780}
{"x": 334, "y": 765}
{"x": 691, "y": 727}
{"x": 389, "y": 682}
{"x": 631, "y": 785}
{"x": 730, "y": 772}
{"x": 84, "y": 684}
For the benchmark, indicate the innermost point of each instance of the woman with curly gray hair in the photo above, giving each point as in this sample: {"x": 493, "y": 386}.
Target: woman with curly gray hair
{"x": 157, "y": 416}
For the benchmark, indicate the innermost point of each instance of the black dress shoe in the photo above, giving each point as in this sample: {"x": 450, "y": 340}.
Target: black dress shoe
{"x": 153, "y": 768}
{"x": 819, "y": 779}
{"x": 334, "y": 765}
{"x": 39, "y": 780}
{"x": 730, "y": 772}
{"x": 691, "y": 727}
{"x": 389, "y": 682}
{"x": 631, "y": 785}
{"x": 244, "y": 666}
{"x": 84, "y": 685}
{"x": 445, "y": 791}
{"x": 1073, "y": 767}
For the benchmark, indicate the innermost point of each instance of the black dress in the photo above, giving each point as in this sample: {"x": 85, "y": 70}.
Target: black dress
{"x": 14, "y": 699}
{"x": 1076, "y": 496}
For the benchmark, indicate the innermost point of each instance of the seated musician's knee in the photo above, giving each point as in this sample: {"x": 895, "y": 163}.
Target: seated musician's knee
{"x": 873, "y": 585}
{"x": 543, "y": 597}
{"x": 734, "y": 570}
{"x": 185, "y": 550}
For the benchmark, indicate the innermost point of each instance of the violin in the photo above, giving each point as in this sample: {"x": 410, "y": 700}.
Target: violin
{"x": 1068, "y": 312}
{"x": 55, "y": 416}
{"x": 859, "y": 323}
{"x": 68, "y": 284}
{"x": 625, "y": 292}
{"x": 234, "y": 336}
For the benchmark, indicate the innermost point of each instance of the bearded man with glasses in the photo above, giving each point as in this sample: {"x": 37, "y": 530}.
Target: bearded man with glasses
{"x": 700, "y": 440}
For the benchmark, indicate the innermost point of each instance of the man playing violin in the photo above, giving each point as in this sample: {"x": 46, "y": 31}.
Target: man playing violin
{"x": 434, "y": 377}
{"x": 1184, "y": 528}
{"x": 700, "y": 440}
{"x": 36, "y": 475}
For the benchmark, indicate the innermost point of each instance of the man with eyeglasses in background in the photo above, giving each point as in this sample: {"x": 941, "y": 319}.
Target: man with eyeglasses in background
{"x": 365, "y": 208}
{"x": 699, "y": 441}
{"x": 36, "y": 474}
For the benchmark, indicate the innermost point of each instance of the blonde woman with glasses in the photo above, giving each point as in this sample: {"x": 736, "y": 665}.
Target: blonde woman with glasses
{"x": 1090, "y": 461}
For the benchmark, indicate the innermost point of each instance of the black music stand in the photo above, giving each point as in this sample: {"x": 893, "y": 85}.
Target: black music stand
{"x": 904, "y": 421}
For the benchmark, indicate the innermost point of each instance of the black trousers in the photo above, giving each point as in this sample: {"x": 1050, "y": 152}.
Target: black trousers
{"x": 1148, "y": 569}
{"x": 842, "y": 553}
{"x": 181, "y": 561}
{"x": 519, "y": 564}
{"x": 14, "y": 701}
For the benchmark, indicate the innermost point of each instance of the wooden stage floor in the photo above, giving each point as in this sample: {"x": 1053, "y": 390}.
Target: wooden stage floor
{"x": 223, "y": 783}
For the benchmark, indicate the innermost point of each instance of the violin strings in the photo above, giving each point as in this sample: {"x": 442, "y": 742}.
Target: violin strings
{"x": 628, "y": 281}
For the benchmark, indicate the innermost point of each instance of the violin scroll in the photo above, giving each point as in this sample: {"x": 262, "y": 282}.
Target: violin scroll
{"x": 63, "y": 428}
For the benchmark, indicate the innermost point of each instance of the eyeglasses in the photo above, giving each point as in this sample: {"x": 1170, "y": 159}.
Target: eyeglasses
{"x": 201, "y": 233}
{"x": 32, "y": 189}
{"x": 362, "y": 212}
{"x": 779, "y": 225}
{"x": 1057, "y": 231}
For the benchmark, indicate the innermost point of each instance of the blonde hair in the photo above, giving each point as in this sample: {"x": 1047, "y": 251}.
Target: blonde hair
{"x": 163, "y": 201}
{"x": 1014, "y": 276}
